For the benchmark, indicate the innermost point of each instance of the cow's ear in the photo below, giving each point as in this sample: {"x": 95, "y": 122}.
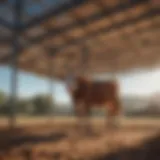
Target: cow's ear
{"x": 70, "y": 80}
{"x": 74, "y": 85}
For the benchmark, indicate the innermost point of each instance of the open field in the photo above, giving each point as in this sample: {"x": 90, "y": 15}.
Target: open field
{"x": 57, "y": 138}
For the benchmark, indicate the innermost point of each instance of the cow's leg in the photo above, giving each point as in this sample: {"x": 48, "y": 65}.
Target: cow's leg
{"x": 78, "y": 114}
{"x": 83, "y": 118}
{"x": 109, "y": 116}
{"x": 118, "y": 112}
{"x": 114, "y": 112}
{"x": 87, "y": 118}
{"x": 82, "y": 111}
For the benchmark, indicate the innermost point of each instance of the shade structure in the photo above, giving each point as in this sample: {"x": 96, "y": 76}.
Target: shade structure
{"x": 100, "y": 35}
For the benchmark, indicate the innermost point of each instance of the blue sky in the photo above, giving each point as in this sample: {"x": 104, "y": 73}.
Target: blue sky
{"x": 30, "y": 84}
{"x": 143, "y": 83}
{"x": 31, "y": 8}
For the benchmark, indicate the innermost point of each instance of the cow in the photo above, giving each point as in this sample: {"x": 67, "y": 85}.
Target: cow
{"x": 87, "y": 93}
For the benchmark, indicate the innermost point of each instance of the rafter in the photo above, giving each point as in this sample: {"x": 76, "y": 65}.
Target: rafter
{"x": 128, "y": 24}
{"x": 6, "y": 24}
{"x": 59, "y": 10}
{"x": 83, "y": 22}
{"x": 108, "y": 29}
{"x": 114, "y": 27}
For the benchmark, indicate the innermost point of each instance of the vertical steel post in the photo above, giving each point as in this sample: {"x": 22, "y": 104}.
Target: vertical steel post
{"x": 14, "y": 62}
{"x": 50, "y": 73}
{"x": 85, "y": 56}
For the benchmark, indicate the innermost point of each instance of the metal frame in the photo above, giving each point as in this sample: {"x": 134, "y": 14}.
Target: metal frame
{"x": 40, "y": 19}
{"x": 91, "y": 19}
{"x": 85, "y": 58}
{"x": 91, "y": 35}
{"x": 6, "y": 24}
{"x": 82, "y": 23}
{"x": 50, "y": 76}
{"x": 63, "y": 8}
{"x": 14, "y": 63}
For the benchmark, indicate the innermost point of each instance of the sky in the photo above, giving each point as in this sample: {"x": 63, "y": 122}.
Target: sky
{"x": 137, "y": 83}
{"x": 31, "y": 8}
{"x": 30, "y": 84}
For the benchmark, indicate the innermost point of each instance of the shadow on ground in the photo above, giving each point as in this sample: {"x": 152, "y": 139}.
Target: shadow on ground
{"x": 150, "y": 149}
{"x": 147, "y": 151}
{"x": 17, "y": 137}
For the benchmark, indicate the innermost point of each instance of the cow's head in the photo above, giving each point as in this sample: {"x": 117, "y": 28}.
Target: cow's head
{"x": 74, "y": 82}
{"x": 71, "y": 82}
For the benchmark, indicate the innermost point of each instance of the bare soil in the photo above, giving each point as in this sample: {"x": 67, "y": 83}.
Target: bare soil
{"x": 58, "y": 139}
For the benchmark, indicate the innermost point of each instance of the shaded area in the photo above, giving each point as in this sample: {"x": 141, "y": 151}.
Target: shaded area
{"x": 147, "y": 151}
{"x": 135, "y": 128}
{"x": 85, "y": 26}
{"x": 16, "y": 138}
{"x": 55, "y": 142}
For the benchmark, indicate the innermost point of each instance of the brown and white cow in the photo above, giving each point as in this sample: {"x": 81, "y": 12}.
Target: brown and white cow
{"x": 87, "y": 93}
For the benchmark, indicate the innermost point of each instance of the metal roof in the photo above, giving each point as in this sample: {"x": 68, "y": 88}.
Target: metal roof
{"x": 101, "y": 35}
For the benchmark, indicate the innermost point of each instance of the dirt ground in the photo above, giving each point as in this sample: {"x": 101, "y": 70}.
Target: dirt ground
{"x": 58, "y": 139}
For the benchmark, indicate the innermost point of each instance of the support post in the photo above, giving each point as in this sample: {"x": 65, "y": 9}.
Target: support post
{"x": 50, "y": 78}
{"x": 14, "y": 63}
{"x": 85, "y": 58}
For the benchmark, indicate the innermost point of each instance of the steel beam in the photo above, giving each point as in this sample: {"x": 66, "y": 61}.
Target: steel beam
{"x": 50, "y": 76}
{"x": 6, "y": 24}
{"x": 105, "y": 30}
{"x": 14, "y": 63}
{"x": 81, "y": 23}
{"x": 85, "y": 57}
{"x": 59, "y": 10}
{"x": 111, "y": 28}
{"x": 91, "y": 35}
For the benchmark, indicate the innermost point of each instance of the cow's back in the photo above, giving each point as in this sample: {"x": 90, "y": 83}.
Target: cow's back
{"x": 96, "y": 93}
{"x": 102, "y": 92}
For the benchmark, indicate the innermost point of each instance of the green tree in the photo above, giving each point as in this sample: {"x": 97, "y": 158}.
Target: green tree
{"x": 25, "y": 106}
{"x": 3, "y": 102}
{"x": 2, "y": 97}
{"x": 43, "y": 104}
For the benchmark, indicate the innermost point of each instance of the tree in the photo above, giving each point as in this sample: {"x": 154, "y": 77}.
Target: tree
{"x": 42, "y": 105}
{"x": 38, "y": 105}
{"x": 3, "y": 102}
{"x": 2, "y": 97}
{"x": 25, "y": 106}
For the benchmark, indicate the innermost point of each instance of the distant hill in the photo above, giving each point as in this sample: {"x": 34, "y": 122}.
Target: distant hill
{"x": 132, "y": 102}
{"x": 132, "y": 105}
{"x": 141, "y": 105}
